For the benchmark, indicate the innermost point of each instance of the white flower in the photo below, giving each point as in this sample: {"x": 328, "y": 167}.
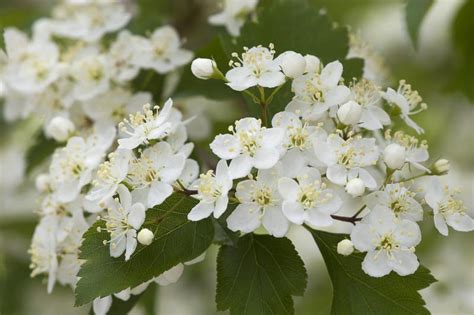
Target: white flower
{"x": 306, "y": 199}
{"x": 255, "y": 67}
{"x": 91, "y": 74}
{"x": 109, "y": 175}
{"x": 345, "y": 247}
{"x": 346, "y": 159}
{"x": 170, "y": 276}
{"x": 163, "y": 52}
{"x": 355, "y": 187}
{"x": 313, "y": 64}
{"x": 212, "y": 193}
{"x": 153, "y": 173}
{"x": 349, "y": 113}
{"x": 399, "y": 199}
{"x": 146, "y": 126}
{"x": 316, "y": 92}
{"x": 260, "y": 203}
{"x": 292, "y": 64}
{"x": 367, "y": 94}
{"x": 145, "y": 237}
{"x": 89, "y": 21}
{"x": 203, "y": 68}
{"x": 394, "y": 156}
{"x": 115, "y": 105}
{"x": 388, "y": 241}
{"x": 408, "y": 101}
{"x": 101, "y": 306}
{"x": 447, "y": 208}
{"x": 42, "y": 182}
{"x": 250, "y": 145}
{"x": 31, "y": 65}
{"x": 234, "y": 15}
{"x": 122, "y": 56}
{"x": 60, "y": 128}
{"x": 441, "y": 167}
{"x": 122, "y": 221}
{"x": 72, "y": 166}
{"x": 297, "y": 142}
{"x": 416, "y": 151}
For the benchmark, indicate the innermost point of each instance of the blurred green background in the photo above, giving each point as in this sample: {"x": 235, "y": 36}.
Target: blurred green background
{"x": 441, "y": 69}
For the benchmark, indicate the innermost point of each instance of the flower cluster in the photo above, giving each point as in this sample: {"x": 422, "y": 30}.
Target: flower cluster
{"x": 332, "y": 144}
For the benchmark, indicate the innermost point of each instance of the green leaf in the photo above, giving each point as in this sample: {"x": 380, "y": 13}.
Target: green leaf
{"x": 149, "y": 81}
{"x": 259, "y": 276}
{"x": 297, "y": 26}
{"x": 177, "y": 240}
{"x": 415, "y": 12}
{"x": 355, "y": 292}
{"x": 214, "y": 89}
{"x": 42, "y": 149}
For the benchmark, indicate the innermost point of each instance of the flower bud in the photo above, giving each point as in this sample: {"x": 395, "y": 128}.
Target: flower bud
{"x": 394, "y": 156}
{"x": 203, "y": 68}
{"x": 60, "y": 129}
{"x": 349, "y": 113}
{"x": 312, "y": 63}
{"x": 355, "y": 187}
{"x": 293, "y": 64}
{"x": 42, "y": 182}
{"x": 145, "y": 237}
{"x": 441, "y": 167}
{"x": 345, "y": 247}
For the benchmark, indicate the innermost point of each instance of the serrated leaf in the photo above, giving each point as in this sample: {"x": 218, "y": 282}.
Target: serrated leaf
{"x": 355, "y": 292}
{"x": 41, "y": 150}
{"x": 259, "y": 276}
{"x": 177, "y": 240}
{"x": 297, "y": 26}
{"x": 415, "y": 12}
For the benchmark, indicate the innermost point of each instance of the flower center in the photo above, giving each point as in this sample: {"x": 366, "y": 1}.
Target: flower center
{"x": 263, "y": 196}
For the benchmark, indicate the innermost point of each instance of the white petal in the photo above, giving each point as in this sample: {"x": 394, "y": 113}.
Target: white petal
{"x": 440, "y": 224}
{"x": 271, "y": 79}
{"x": 337, "y": 174}
{"x": 316, "y": 218}
{"x": 130, "y": 143}
{"x": 117, "y": 247}
{"x": 460, "y": 222}
{"x": 158, "y": 193}
{"x": 221, "y": 206}
{"x": 136, "y": 217}
{"x": 288, "y": 188}
{"x": 336, "y": 96}
{"x": 266, "y": 158}
{"x": 293, "y": 211}
{"x": 226, "y": 147}
{"x": 131, "y": 244}
{"x": 331, "y": 74}
{"x": 272, "y": 137}
{"x": 124, "y": 295}
{"x": 275, "y": 222}
{"x": 375, "y": 264}
{"x": 102, "y": 305}
{"x": 200, "y": 211}
{"x": 240, "y": 166}
{"x": 407, "y": 233}
{"x": 404, "y": 263}
{"x": 245, "y": 218}
{"x": 362, "y": 237}
{"x": 170, "y": 276}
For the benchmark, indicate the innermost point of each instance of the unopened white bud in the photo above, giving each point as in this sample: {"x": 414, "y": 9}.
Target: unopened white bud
{"x": 293, "y": 64}
{"x": 60, "y": 129}
{"x": 145, "y": 237}
{"x": 355, "y": 187}
{"x": 349, "y": 113}
{"x": 394, "y": 156}
{"x": 203, "y": 68}
{"x": 345, "y": 247}
{"x": 42, "y": 182}
{"x": 312, "y": 63}
{"x": 441, "y": 166}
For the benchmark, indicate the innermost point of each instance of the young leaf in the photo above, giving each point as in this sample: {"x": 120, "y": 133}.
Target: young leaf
{"x": 259, "y": 276}
{"x": 415, "y": 12}
{"x": 177, "y": 240}
{"x": 355, "y": 292}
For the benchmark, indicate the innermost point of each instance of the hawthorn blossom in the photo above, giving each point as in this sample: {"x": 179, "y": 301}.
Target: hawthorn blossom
{"x": 347, "y": 159}
{"x": 249, "y": 145}
{"x": 163, "y": 52}
{"x": 212, "y": 193}
{"x": 416, "y": 151}
{"x": 255, "y": 67}
{"x": 448, "y": 209}
{"x": 234, "y": 15}
{"x": 30, "y": 66}
{"x": 152, "y": 174}
{"x": 408, "y": 101}
{"x": 307, "y": 200}
{"x": 260, "y": 204}
{"x": 397, "y": 198}
{"x": 122, "y": 221}
{"x": 317, "y": 92}
{"x": 146, "y": 126}
{"x": 389, "y": 243}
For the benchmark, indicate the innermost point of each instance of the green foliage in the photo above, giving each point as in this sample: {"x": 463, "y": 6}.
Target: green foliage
{"x": 150, "y": 81}
{"x": 415, "y": 12}
{"x": 463, "y": 29}
{"x": 177, "y": 240}
{"x": 259, "y": 276}
{"x": 354, "y": 292}
{"x": 41, "y": 149}
{"x": 298, "y": 26}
